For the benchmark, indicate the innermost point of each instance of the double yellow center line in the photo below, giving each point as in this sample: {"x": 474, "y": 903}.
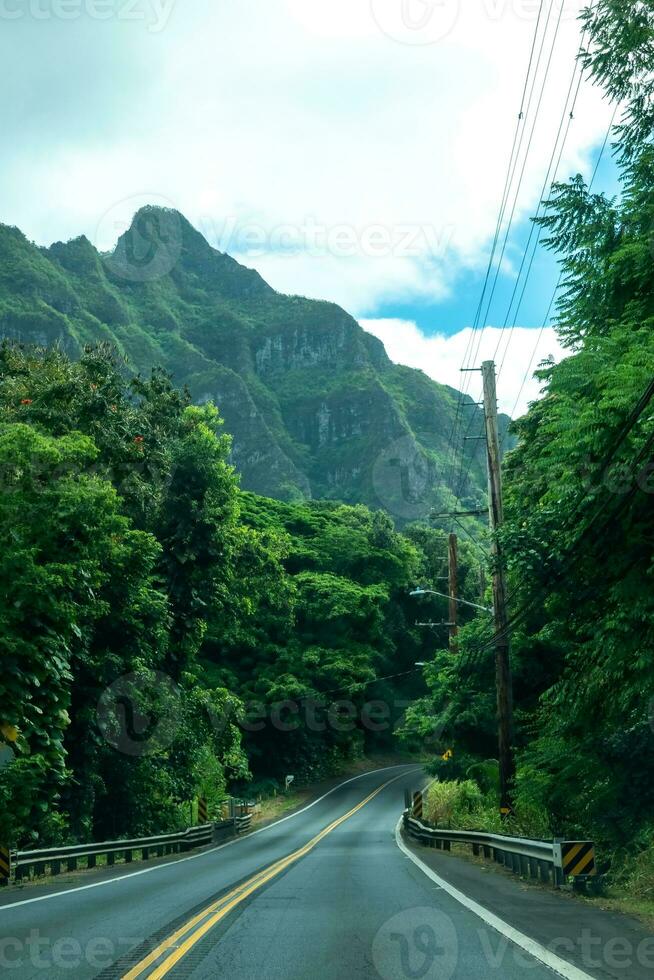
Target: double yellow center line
{"x": 177, "y": 946}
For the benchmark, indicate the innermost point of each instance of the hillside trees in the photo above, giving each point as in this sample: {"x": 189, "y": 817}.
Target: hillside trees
{"x": 321, "y": 641}
{"x": 93, "y": 468}
{"x": 165, "y": 633}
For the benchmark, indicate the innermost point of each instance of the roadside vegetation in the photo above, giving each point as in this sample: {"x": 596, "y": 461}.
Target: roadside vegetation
{"x": 579, "y": 530}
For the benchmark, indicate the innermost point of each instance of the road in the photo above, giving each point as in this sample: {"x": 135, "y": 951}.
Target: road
{"x": 326, "y": 893}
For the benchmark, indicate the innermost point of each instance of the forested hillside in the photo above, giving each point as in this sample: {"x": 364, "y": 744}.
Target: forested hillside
{"x": 163, "y": 632}
{"x": 315, "y": 407}
{"x": 579, "y": 534}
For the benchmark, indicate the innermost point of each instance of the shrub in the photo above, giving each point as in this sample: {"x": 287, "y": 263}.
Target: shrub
{"x": 452, "y": 804}
{"x": 637, "y": 877}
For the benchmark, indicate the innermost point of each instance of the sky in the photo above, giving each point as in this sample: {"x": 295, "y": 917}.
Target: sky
{"x": 351, "y": 150}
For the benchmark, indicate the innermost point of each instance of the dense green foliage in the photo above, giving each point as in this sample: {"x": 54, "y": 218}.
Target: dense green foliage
{"x": 579, "y": 531}
{"x": 165, "y": 634}
{"x": 313, "y": 404}
{"x": 109, "y": 489}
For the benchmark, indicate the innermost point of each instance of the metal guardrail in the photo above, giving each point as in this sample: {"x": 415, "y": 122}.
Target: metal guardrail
{"x": 243, "y": 823}
{"x": 52, "y": 859}
{"x": 544, "y": 860}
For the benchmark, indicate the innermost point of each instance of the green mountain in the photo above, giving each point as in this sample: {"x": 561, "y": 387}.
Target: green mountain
{"x": 314, "y": 405}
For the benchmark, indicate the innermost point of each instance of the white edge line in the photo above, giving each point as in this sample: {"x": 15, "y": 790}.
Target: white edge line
{"x": 530, "y": 946}
{"x": 194, "y": 857}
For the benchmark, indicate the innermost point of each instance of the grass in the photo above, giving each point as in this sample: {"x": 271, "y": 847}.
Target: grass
{"x": 279, "y": 806}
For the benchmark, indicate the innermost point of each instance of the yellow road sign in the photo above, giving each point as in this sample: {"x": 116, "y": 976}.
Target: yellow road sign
{"x": 578, "y": 858}
{"x": 5, "y": 864}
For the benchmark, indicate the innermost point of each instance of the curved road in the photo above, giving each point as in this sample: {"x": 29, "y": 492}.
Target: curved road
{"x": 325, "y": 894}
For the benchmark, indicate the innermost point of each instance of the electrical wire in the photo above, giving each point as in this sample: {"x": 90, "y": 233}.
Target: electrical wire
{"x": 570, "y": 556}
{"x": 569, "y": 112}
{"x": 560, "y": 279}
{"x": 451, "y": 449}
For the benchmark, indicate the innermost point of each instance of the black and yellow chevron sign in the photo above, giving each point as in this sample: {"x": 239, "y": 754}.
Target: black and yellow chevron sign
{"x": 203, "y": 815}
{"x": 417, "y": 806}
{"x": 578, "y": 858}
{"x": 5, "y": 864}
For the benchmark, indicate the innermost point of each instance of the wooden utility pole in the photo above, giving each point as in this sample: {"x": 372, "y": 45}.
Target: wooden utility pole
{"x": 502, "y": 639}
{"x": 454, "y": 593}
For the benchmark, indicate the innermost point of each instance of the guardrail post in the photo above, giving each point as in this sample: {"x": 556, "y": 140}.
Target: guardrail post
{"x": 487, "y": 851}
{"x": 475, "y": 850}
{"x": 71, "y": 864}
{"x": 128, "y": 855}
{"x": 544, "y": 872}
{"x": 111, "y": 858}
{"x": 5, "y": 864}
{"x": 91, "y": 860}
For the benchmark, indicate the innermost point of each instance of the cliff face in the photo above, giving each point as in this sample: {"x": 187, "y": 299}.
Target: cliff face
{"x": 314, "y": 405}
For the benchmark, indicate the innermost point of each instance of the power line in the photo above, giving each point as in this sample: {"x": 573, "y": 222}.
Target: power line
{"x": 569, "y": 111}
{"x": 573, "y": 553}
{"x": 571, "y": 116}
{"x": 474, "y": 350}
{"x": 507, "y": 185}
{"x": 520, "y": 182}
{"x": 560, "y": 279}
{"x": 546, "y": 183}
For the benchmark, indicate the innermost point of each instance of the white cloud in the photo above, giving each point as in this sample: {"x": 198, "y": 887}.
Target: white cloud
{"x": 442, "y": 357}
{"x": 280, "y": 113}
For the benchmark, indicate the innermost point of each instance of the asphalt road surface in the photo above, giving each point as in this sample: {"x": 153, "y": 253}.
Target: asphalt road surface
{"x": 325, "y": 894}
